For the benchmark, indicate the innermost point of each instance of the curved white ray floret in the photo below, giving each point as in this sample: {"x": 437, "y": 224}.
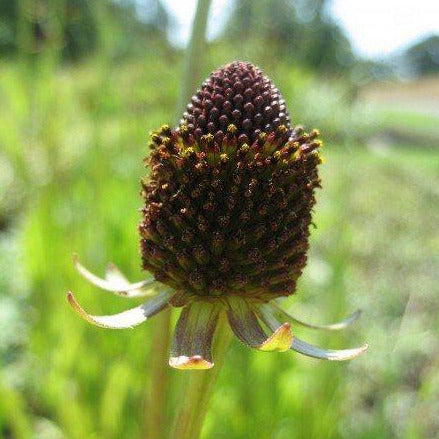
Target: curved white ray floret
{"x": 336, "y": 326}
{"x": 115, "y": 281}
{"x": 326, "y": 354}
{"x": 126, "y": 319}
{"x": 267, "y": 314}
{"x": 113, "y": 274}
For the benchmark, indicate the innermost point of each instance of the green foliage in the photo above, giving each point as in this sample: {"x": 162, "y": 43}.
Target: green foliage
{"x": 330, "y": 104}
{"x": 299, "y": 31}
{"x": 73, "y": 29}
{"x": 422, "y": 58}
{"x": 8, "y": 26}
{"x": 409, "y": 127}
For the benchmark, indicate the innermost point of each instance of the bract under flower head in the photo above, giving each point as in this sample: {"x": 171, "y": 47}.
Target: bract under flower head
{"x": 226, "y": 217}
{"x": 229, "y": 197}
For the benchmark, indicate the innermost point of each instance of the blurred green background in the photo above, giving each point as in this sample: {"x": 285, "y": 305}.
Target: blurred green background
{"x": 81, "y": 85}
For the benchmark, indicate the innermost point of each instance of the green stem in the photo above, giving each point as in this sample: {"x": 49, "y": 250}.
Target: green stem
{"x": 194, "y": 56}
{"x": 155, "y": 416}
{"x": 198, "y": 389}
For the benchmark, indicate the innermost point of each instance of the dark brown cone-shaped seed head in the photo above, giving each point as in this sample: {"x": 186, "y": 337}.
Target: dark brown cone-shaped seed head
{"x": 239, "y": 94}
{"x": 229, "y": 197}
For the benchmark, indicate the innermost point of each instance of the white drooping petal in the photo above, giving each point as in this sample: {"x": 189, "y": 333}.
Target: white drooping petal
{"x": 342, "y": 324}
{"x": 126, "y": 319}
{"x": 326, "y": 354}
{"x": 113, "y": 274}
{"x": 268, "y": 315}
{"x": 115, "y": 281}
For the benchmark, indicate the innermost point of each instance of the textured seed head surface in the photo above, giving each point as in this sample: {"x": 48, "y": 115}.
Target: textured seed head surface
{"x": 239, "y": 94}
{"x": 229, "y": 197}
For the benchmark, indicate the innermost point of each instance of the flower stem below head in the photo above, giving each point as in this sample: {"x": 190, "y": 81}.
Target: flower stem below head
{"x": 198, "y": 389}
{"x": 156, "y": 409}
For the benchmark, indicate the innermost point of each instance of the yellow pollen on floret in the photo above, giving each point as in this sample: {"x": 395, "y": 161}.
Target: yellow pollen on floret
{"x": 282, "y": 129}
{"x": 224, "y": 158}
{"x": 232, "y": 129}
{"x": 188, "y": 152}
{"x": 244, "y": 148}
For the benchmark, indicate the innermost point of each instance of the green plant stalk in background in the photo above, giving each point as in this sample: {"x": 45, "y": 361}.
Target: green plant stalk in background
{"x": 194, "y": 57}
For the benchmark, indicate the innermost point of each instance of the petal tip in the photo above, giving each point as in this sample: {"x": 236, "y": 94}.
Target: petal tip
{"x": 195, "y": 362}
{"x": 77, "y": 307}
{"x": 280, "y": 340}
{"x": 71, "y": 299}
{"x": 111, "y": 271}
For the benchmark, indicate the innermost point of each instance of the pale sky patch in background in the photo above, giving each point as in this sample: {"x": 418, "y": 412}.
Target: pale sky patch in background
{"x": 376, "y": 28}
{"x": 184, "y": 11}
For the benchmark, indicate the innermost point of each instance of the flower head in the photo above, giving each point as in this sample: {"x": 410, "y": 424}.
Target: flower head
{"x": 226, "y": 217}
